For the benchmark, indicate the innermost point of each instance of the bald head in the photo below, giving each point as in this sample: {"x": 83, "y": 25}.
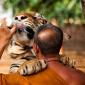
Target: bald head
{"x": 49, "y": 39}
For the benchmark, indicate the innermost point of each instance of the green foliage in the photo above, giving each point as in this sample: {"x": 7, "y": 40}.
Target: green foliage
{"x": 60, "y": 9}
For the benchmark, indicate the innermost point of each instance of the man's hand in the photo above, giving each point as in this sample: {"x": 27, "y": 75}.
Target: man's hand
{"x": 5, "y": 32}
{"x": 5, "y": 35}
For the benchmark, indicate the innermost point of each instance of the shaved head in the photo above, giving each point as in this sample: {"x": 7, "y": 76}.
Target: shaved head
{"x": 49, "y": 39}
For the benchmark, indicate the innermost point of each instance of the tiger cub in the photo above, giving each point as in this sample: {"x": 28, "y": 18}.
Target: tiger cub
{"x": 20, "y": 46}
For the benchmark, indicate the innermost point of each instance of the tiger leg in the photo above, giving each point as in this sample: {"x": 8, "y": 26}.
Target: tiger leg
{"x": 29, "y": 67}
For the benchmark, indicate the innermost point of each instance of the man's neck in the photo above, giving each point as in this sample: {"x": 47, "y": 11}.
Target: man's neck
{"x": 50, "y": 57}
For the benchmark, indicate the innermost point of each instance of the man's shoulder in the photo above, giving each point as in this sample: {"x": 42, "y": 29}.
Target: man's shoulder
{"x": 73, "y": 76}
{"x": 47, "y": 77}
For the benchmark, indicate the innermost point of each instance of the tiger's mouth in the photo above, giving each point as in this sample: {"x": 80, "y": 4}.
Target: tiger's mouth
{"x": 20, "y": 27}
{"x": 25, "y": 29}
{"x": 30, "y": 32}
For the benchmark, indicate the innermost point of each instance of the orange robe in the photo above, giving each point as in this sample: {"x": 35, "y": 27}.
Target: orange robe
{"x": 46, "y": 77}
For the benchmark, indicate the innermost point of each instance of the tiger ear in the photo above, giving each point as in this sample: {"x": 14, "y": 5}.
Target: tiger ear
{"x": 39, "y": 16}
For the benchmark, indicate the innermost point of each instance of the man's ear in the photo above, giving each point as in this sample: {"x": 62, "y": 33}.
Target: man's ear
{"x": 35, "y": 48}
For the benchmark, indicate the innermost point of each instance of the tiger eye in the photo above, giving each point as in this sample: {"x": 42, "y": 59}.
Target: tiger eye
{"x": 23, "y": 17}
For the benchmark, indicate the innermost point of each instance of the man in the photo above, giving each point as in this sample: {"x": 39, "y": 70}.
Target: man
{"x": 47, "y": 43}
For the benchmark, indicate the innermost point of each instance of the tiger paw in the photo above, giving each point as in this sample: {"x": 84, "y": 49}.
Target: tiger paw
{"x": 32, "y": 66}
{"x": 14, "y": 67}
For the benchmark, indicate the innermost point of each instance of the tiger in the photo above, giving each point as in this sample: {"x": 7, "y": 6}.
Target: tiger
{"x": 20, "y": 48}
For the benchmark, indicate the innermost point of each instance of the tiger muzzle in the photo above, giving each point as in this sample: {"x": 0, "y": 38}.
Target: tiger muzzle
{"x": 30, "y": 32}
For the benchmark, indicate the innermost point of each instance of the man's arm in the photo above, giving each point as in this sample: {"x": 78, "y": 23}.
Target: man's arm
{"x": 5, "y": 36}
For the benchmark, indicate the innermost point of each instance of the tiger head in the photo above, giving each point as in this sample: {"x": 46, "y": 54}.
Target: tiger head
{"x": 27, "y": 24}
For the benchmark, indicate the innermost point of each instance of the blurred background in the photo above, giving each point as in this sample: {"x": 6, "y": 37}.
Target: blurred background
{"x": 64, "y": 11}
{"x": 67, "y": 14}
